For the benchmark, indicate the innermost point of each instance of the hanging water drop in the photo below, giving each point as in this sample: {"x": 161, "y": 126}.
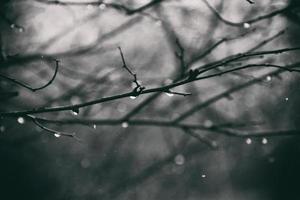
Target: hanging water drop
{"x": 94, "y": 126}
{"x": 179, "y": 159}
{"x": 248, "y": 141}
{"x": 125, "y": 125}
{"x": 132, "y": 97}
{"x": 246, "y": 25}
{"x": 75, "y": 111}
{"x": 21, "y": 120}
{"x": 203, "y": 176}
{"x": 57, "y": 135}
{"x": 12, "y": 26}
{"x": 264, "y": 141}
{"x": 169, "y": 94}
{"x": 286, "y": 99}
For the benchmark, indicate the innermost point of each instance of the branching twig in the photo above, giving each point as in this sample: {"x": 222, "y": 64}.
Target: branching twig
{"x": 52, "y": 131}
{"x": 138, "y": 89}
{"x": 246, "y": 22}
{"x": 250, "y": 1}
{"x": 157, "y": 89}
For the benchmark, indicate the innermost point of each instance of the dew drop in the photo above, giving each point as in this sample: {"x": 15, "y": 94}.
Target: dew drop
{"x": 179, "y": 159}
{"x": 203, "y": 175}
{"x": 264, "y": 141}
{"x": 94, "y": 126}
{"x": 248, "y": 141}
{"x": 125, "y": 125}
{"x": 57, "y": 135}
{"x": 21, "y": 120}
{"x": 286, "y": 99}
{"x": 132, "y": 97}
{"x": 75, "y": 111}
{"x": 169, "y": 94}
{"x": 246, "y": 25}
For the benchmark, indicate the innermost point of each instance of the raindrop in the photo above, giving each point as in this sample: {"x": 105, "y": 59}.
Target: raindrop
{"x": 179, "y": 159}
{"x": 102, "y": 6}
{"x": 268, "y": 78}
{"x": 57, "y": 135}
{"x": 246, "y": 25}
{"x": 75, "y": 111}
{"x": 248, "y": 141}
{"x": 203, "y": 176}
{"x": 169, "y": 94}
{"x": 132, "y": 97}
{"x": 2, "y": 129}
{"x": 208, "y": 124}
{"x": 286, "y": 99}
{"x": 264, "y": 141}
{"x": 12, "y": 26}
{"x": 94, "y": 126}
{"x": 125, "y": 125}
{"x": 21, "y": 120}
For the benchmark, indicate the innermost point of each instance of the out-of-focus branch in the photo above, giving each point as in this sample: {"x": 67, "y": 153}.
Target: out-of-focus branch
{"x": 117, "y": 6}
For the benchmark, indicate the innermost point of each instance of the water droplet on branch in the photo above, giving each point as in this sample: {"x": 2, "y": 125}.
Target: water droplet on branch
{"x": 132, "y": 97}
{"x": 169, "y": 94}
{"x": 57, "y": 135}
{"x": 246, "y": 25}
{"x": 94, "y": 126}
{"x": 264, "y": 141}
{"x": 21, "y": 120}
{"x": 125, "y": 125}
{"x": 75, "y": 111}
{"x": 248, "y": 141}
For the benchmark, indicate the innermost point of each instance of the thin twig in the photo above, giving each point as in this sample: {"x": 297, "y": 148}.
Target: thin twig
{"x": 24, "y": 85}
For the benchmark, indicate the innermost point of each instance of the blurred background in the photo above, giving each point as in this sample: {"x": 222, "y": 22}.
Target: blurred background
{"x": 112, "y": 158}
